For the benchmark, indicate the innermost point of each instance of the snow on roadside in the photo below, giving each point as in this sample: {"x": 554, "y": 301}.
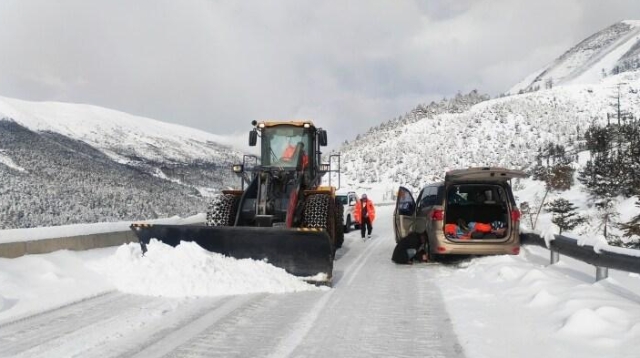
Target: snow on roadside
{"x": 520, "y": 306}
{"x": 51, "y": 232}
{"x": 188, "y": 270}
{"x": 36, "y": 283}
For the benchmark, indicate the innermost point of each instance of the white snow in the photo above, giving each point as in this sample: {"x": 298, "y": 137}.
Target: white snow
{"x": 41, "y": 233}
{"x": 6, "y": 160}
{"x": 113, "y": 131}
{"x": 591, "y": 71}
{"x": 500, "y": 306}
{"x": 585, "y": 63}
{"x": 189, "y": 271}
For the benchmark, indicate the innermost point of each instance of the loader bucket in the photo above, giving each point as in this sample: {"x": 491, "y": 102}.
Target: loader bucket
{"x": 300, "y": 252}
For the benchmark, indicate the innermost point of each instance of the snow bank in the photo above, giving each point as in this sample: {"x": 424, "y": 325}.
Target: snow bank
{"x": 188, "y": 270}
{"x": 52, "y": 232}
{"x": 543, "y": 310}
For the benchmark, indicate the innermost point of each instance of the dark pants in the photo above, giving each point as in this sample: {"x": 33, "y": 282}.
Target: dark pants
{"x": 366, "y": 225}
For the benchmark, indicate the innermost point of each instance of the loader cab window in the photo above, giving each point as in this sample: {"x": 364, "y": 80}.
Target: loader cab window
{"x": 283, "y": 145}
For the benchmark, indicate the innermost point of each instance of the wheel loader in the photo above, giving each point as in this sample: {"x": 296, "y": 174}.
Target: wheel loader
{"x": 284, "y": 215}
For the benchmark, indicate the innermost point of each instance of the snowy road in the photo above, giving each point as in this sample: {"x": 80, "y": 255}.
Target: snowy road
{"x": 374, "y": 309}
{"x": 485, "y": 307}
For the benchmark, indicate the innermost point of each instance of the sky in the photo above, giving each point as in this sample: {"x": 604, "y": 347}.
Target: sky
{"x": 348, "y": 65}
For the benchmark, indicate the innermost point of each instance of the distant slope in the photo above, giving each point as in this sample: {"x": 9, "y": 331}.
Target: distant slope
{"x": 63, "y": 163}
{"x": 122, "y": 135}
{"x": 610, "y": 51}
{"x": 505, "y": 131}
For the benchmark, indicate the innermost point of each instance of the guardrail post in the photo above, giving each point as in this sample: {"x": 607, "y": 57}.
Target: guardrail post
{"x": 601, "y": 273}
{"x": 555, "y": 256}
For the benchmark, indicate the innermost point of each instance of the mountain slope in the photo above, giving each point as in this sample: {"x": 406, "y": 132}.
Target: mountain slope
{"x": 118, "y": 134}
{"x": 505, "y": 132}
{"x": 610, "y": 51}
{"x": 65, "y": 163}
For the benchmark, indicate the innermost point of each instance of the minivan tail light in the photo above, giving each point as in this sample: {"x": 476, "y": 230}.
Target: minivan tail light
{"x": 515, "y": 215}
{"x": 437, "y": 214}
{"x": 516, "y": 250}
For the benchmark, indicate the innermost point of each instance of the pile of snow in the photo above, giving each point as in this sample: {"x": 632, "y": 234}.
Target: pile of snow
{"x": 188, "y": 270}
{"x": 36, "y": 283}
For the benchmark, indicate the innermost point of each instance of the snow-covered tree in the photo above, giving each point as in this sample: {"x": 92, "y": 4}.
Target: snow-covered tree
{"x": 565, "y": 215}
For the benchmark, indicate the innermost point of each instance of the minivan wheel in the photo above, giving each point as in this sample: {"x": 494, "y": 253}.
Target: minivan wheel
{"x": 347, "y": 226}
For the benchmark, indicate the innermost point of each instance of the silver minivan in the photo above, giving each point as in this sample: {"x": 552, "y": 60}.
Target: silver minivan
{"x": 472, "y": 211}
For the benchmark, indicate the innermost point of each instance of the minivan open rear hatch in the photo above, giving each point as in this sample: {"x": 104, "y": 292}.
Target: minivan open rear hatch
{"x": 483, "y": 174}
{"x": 477, "y": 211}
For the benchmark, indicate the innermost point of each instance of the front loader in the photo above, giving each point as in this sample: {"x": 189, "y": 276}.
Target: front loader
{"x": 284, "y": 216}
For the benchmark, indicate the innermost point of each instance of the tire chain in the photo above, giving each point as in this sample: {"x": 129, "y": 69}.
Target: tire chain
{"x": 339, "y": 224}
{"x": 316, "y": 211}
{"x": 222, "y": 210}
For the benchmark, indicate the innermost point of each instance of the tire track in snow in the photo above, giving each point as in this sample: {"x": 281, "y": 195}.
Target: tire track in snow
{"x": 168, "y": 343}
{"x": 306, "y": 323}
{"x": 47, "y": 331}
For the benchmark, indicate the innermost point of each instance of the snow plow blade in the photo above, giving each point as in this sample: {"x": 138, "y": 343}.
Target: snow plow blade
{"x": 301, "y": 252}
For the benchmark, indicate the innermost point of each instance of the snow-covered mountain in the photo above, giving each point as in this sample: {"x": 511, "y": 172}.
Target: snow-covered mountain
{"x": 506, "y": 131}
{"x": 64, "y": 163}
{"x": 610, "y": 51}
{"x": 122, "y": 136}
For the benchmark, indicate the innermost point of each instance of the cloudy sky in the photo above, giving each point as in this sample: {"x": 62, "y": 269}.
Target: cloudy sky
{"x": 349, "y": 65}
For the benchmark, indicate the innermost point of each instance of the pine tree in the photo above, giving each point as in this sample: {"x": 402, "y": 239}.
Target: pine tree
{"x": 632, "y": 230}
{"x": 565, "y": 215}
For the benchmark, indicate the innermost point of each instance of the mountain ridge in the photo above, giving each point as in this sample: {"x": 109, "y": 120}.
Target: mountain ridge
{"x": 608, "y": 51}
{"x": 64, "y": 163}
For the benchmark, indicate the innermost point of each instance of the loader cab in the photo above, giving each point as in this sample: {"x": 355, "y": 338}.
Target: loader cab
{"x": 287, "y": 144}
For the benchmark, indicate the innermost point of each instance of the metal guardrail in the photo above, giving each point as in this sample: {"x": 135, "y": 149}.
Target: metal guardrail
{"x": 603, "y": 260}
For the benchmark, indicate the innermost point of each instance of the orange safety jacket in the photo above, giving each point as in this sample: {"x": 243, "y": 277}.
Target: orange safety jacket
{"x": 288, "y": 155}
{"x": 358, "y": 211}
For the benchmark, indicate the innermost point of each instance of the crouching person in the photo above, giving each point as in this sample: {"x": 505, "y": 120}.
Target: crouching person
{"x": 411, "y": 249}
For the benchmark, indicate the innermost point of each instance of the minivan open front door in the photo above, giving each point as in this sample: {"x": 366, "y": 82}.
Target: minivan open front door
{"x": 404, "y": 215}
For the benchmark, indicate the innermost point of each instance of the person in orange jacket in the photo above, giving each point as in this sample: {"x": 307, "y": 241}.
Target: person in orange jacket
{"x": 364, "y": 214}
{"x": 290, "y": 150}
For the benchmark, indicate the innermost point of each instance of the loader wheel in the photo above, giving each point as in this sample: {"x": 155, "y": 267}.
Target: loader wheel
{"x": 317, "y": 214}
{"x": 339, "y": 223}
{"x": 222, "y": 210}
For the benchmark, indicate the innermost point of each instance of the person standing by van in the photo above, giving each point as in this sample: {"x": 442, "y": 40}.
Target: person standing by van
{"x": 364, "y": 214}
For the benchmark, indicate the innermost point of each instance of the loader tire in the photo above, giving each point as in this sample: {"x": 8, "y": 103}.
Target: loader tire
{"x": 318, "y": 214}
{"x": 339, "y": 225}
{"x": 222, "y": 210}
